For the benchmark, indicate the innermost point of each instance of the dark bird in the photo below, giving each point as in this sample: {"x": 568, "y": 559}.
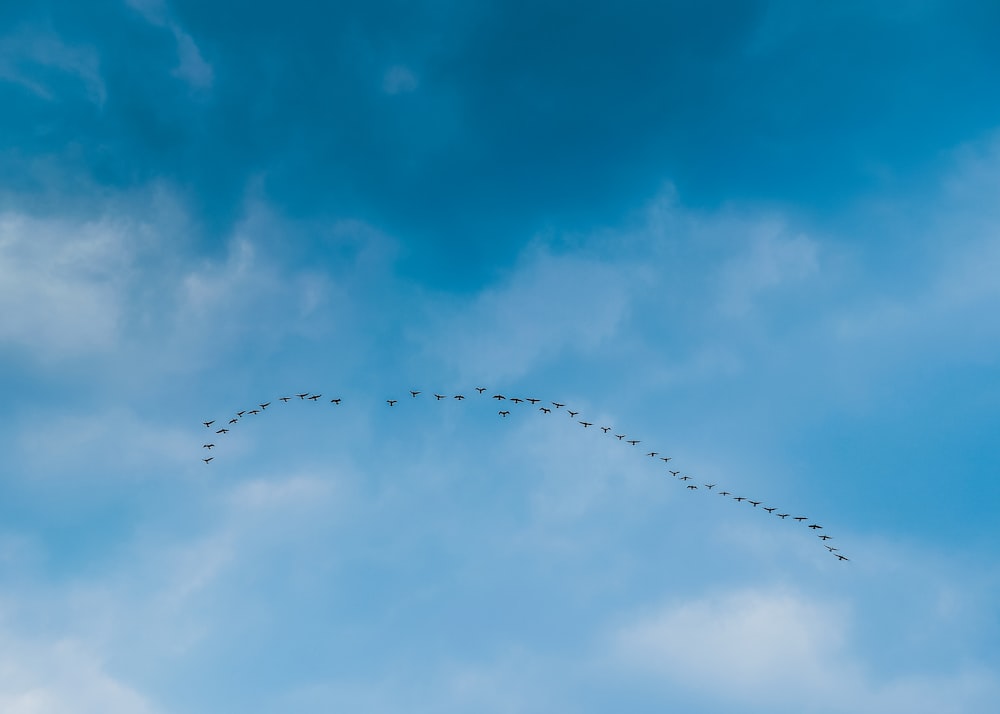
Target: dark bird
{"x": 335, "y": 401}
{"x": 499, "y": 396}
{"x": 208, "y": 423}
{"x": 557, "y": 405}
{"x": 391, "y": 402}
{"x": 755, "y": 503}
{"x": 586, "y": 424}
{"x": 619, "y": 436}
{"x": 303, "y": 395}
{"x": 223, "y": 430}
{"x": 739, "y": 499}
{"x": 413, "y": 393}
{"x": 685, "y": 478}
{"x": 830, "y": 548}
{"x": 825, "y": 537}
{"x": 314, "y": 397}
{"x": 783, "y": 516}
{"x": 265, "y": 405}
{"x": 652, "y": 454}
{"x": 503, "y": 413}
{"x": 516, "y": 400}
{"x": 770, "y": 510}
{"x": 814, "y": 526}
{"x": 480, "y": 389}
{"x": 571, "y": 413}
{"x": 460, "y": 397}
{"x": 842, "y": 557}
{"x": 439, "y": 397}
{"x": 239, "y": 414}
{"x": 691, "y": 485}
{"x": 544, "y": 409}
{"x": 208, "y": 459}
{"x": 665, "y": 459}
{"x": 633, "y": 442}
{"x": 675, "y": 472}
{"x": 285, "y": 399}
{"x": 533, "y": 401}
{"x": 723, "y": 493}
{"x": 801, "y": 518}
{"x": 605, "y": 429}
{"x": 207, "y": 446}
{"x": 233, "y": 421}
{"x": 254, "y": 411}
{"x": 709, "y": 486}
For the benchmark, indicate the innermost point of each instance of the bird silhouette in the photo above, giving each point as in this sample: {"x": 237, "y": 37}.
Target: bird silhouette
{"x": 254, "y": 411}
{"x": 240, "y": 414}
{"x": 208, "y": 459}
{"x": 439, "y": 397}
{"x": 546, "y": 410}
{"x": 499, "y": 396}
{"x": 724, "y": 493}
{"x": 586, "y": 424}
{"x": 413, "y": 393}
{"x": 739, "y": 499}
{"x": 825, "y": 537}
{"x": 503, "y": 413}
{"x": 207, "y": 446}
{"x": 303, "y": 395}
{"x": 665, "y": 459}
{"x": 801, "y": 518}
{"x": 516, "y": 400}
{"x": 480, "y": 389}
{"x": 285, "y": 399}
{"x": 233, "y": 421}
{"x": 335, "y": 401}
{"x": 709, "y": 486}
{"x": 633, "y": 442}
{"x": 755, "y": 503}
{"x": 265, "y": 405}
{"x": 685, "y": 478}
{"x": 770, "y": 510}
{"x": 692, "y": 486}
{"x": 391, "y": 402}
{"x": 208, "y": 423}
{"x": 222, "y": 431}
{"x": 783, "y": 516}
{"x": 814, "y": 526}
{"x": 571, "y": 413}
{"x": 557, "y": 405}
{"x": 533, "y": 401}
{"x": 830, "y": 548}
{"x": 459, "y": 397}
{"x": 619, "y": 436}
{"x": 314, "y": 397}
{"x": 675, "y": 472}
{"x": 842, "y": 557}
{"x": 605, "y": 429}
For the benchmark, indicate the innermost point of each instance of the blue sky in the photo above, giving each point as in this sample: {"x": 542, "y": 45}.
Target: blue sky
{"x": 761, "y": 238}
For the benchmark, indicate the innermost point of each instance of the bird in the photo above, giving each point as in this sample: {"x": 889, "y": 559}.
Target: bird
{"x": 208, "y": 459}
{"x": 755, "y": 503}
{"x": 314, "y": 397}
{"x": 480, "y": 389}
{"x": 770, "y": 510}
{"x": 533, "y": 401}
{"x": 586, "y": 424}
{"x": 223, "y": 430}
{"x": 825, "y": 537}
{"x": 239, "y": 414}
{"x": 335, "y": 401}
{"x": 814, "y": 526}
{"x": 675, "y": 472}
{"x": 303, "y": 395}
{"x": 499, "y": 396}
{"x": 413, "y": 393}
{"x": 285, "y": 399}
{"x": 208, "y": 423}
{"x": 459, "y": 397}
{"x": 503, "y": 413}
{"x": 391, "y": 402}
{"x": 739, "y": 499}
{"x": 830, "y": 548}
{"x": 605, "y": 429}
{"x": 254, "y": 411}
{"x": 619, "y": 436}
{"x": 571, "y": 413}
{"x": 691, "y": 485}
{"x": 265, "y": 405}
{"x": 207, "y": 446}
{"x": 233, "y": 421}
{"x": 545, "y": 410}
{"x": 652, "y": 454}
{"x": 557, "y": 405}
{"x": 783, "y": 516}
{"x": 723, "y": 493}
{"x": 439, "y": 397}
{"x": 685, "y": 478}
{"x": 842, "y": 557}
{"x": 709, "y": 486}
{"x": 665, "y": 459}
{"x": 516, "y": 400}
{"x": 801, "y": 518}
{"x": 633, "y": 442}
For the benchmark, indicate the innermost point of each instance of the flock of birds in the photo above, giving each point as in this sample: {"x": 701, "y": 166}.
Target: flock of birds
{"x": 543, "y": 407}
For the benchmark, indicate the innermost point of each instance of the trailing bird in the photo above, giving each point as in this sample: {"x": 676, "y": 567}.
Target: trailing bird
{"x": 315, "y": 397}
{"x": 503, "y": 413}
{"x": 619, "y": 436}
{"x": 303, "y": 395}
{"x": 605, "y": 429}
{"x": 439, "y": 397}
{"x": 709, "y": 486}
{"x": 413, "y": 393}
{"x": 254, "y": 411}
{"x": 770, "y": 510}
{"x": 208, "y": 459}
{"x": 633, "y": 442}
{"x": 265, "y": 405}
{"x": 675, "y": 472}
{"x": 691, "y": 485}
{"x": 557, "y": 405}
{"x": 814, "y": 526}
{"x": 240, "y": 414}
{"x": 739, "y": 499}
{"x": 665, "y": 459}
{"x": 222, "y": 431}
{"x": 571, "y": 413}
{"x": 652, "y": 454}
{"x": 842, "y": 557}
{"x": 499, "y": 396}
{"x": 516, "y": 400}
{"x": 586, "y": 424}
{"x": 335, "y": 401}
{"x": 685, "y": 478}
{"x": 233, "y": 421}
{"x": 783, "y": 516}
{"x": 207, "y": 446}
{"x": 460, "y": 397}
{"x": 208, "y": 423}
{"x": 285, "y": 399}
{"x": 755, "y": 503}
{"x": 546, "y": 410}
{"x": 825, "y": 537}
{"x": 391, "y": 402}
{"x": 801, "y": 518}
{"x": 533, "y": 401}
{"x": 723, "y": 493}
{"x": 480, "y": 389}
{"x": 830, "y": 548}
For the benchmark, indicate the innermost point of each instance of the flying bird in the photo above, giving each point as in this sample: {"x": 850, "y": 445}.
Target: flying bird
{"x": 814, "y": 526}
{"x": 723, "y": 493}
{"x": 516, "y": 400}
{"x": 675, "y": 472}
{"x": 499, "y": 396}
{"x": 314, "y": 397}
{"x": 691, "y": 485}
{"x": 285, "y": 399}
{"x": 652, "y": 454}
{"x": 586, "y": 424}
{"x": 572, "y": 413}
{"x": 303, "y": 395}
{"x": 739, "y": 499}
{"x": 391, "y": 402}
{"x": 633, "y": 442}
{"x": 413, "y": 393}
{"x": 685, "y": 478}
{"x": 233, "y": 421}
{"x": 770, "y": 510}
{"x": 842, "y": 557}
{"x": 265, "y": 405}
{"x": 207, "y": 446}
{"x": 755, "y": 503}
{"x": 208, "y": 423}
{"x": 254, "y": 411}
{"x": 503, "y": 413}
{"x": 439, "y": 397}
{"x": 830, "y": 548}
{"x": 709, "y": 486}
{"x": 783, "y": 516}
{"x": 460, "y": 397}
{"x": 665, "y": 459}
{"x": 605, "y": 429}
{"x": 239, "y": 414}
{"x": 480, "y": 389}
{"x": 825, "y": 537}
{"x": 335, "y": 401}
{"x": 208, "y": 459}
{"x": 557, "y": 405}
{"x": 619, "y": 436}
{"x": 223, "y": 430}
{"x": 546, "y": 410}
{"x": 801, "y": 518}
{"x": 534, "y": 401}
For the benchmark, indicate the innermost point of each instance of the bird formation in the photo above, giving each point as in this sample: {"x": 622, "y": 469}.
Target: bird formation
{"x": 533, "y": 404}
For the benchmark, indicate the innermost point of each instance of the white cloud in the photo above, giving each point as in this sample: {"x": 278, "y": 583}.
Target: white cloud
{"x": 191, "y": 67}
{"x": 23, "y": 54}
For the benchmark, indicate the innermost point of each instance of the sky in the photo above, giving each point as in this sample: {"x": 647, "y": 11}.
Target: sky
{"x": 760, "y": 238}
